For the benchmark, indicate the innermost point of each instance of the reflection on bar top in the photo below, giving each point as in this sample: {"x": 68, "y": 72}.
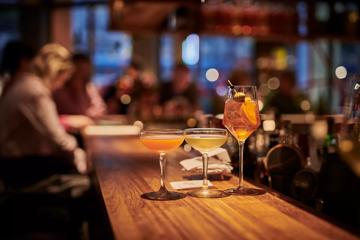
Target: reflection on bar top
{"x": 123, "y": 130}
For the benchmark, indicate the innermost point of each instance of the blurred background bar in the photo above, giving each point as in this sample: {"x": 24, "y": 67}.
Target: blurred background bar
{"x": 166, "y": 64}
{"x": 317, "y": 42}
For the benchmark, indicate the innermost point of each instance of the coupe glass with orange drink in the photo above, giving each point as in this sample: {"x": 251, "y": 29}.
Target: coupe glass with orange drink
{"x": 241, "y": 118}
{"x": 162, "y": 141}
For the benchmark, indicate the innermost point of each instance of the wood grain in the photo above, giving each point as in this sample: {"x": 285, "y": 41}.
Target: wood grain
{"x": 125, "y": 170}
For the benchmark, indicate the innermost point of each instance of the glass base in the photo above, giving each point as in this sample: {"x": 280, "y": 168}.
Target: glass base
{"x": 208, "y": 193}
{"x": 163, "y": 195}
{"x": 245, "y": 191}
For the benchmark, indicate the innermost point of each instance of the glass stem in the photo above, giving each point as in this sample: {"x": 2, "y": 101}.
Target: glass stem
{"x": 205, "y": 158}
{"x": 162, "y": 161}
{"x": 241, "y": 164}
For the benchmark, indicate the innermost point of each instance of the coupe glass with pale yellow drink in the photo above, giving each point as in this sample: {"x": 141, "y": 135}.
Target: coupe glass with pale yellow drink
{"x": 242, "y": 118}
{"x": 204, "y": 140}
{"x": 162, "y": 141}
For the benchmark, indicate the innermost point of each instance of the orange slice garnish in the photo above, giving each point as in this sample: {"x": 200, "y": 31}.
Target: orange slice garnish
{"x": 250, "y": 109}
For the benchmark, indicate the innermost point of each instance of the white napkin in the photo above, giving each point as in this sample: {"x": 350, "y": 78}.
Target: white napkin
{"x": 219, "y": 162}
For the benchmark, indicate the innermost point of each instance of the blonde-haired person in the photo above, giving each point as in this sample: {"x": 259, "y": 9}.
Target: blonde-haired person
{"x": 53, "y": 65}
{"x": 29, "y": 122}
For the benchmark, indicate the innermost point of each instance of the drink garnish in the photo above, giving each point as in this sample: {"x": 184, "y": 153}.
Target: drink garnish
{"x": 250, "y": 109}
{"x": 238, "y": 96}
{"x": 231, "y": 85}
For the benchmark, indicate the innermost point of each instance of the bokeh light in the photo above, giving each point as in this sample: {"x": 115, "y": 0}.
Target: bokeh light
{"x": 319, "y": 129}
{"x": 305, "y": 105}
{"x": 125, "y": 99}
{"x": 346, "y": 146}
{"x": 341, "y": 72}
{"x": 221, "y": 90}
{"x": 191, "y": 122}
{"x": 357, "y": 86}
{"x": 139, "y": 124}
{"x": 273, "y": 83}
{"x": 260, "y": 104}
{"x": 190, "y": 49}
{"x": 212, "y": 74}
{"x": 353, "y": 17}
{"x": 269, "y": 125}
{"x": 187, "y": 148}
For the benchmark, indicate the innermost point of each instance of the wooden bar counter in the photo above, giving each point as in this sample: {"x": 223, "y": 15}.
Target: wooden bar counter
{"x": 125, "y": 169}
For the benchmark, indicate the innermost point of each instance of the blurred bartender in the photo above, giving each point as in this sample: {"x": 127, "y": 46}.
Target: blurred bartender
{"x": 179, "y": 97}
{"x": 29, "y": 123}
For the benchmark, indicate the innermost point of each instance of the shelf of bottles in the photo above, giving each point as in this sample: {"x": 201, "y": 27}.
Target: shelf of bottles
{"x": 263, "y": 20}
{"x": 270, "y": 20}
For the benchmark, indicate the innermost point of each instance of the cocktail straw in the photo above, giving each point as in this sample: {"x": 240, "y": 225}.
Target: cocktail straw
{"x": 231, "y": 85}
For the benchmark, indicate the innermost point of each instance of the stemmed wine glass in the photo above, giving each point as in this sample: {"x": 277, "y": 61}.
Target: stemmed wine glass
{"x": 242, "y": 118}
{"x": 205, "y": 140}
{"x": 162, "y": 141}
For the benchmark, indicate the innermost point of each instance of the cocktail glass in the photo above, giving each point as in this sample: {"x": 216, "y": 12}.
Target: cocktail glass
{"x": 242, "y": 118}
{"x": 205, "y": 140}
{"x": 162, "y": 141}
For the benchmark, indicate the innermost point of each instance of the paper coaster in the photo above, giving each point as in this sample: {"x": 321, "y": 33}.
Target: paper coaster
{"x": 178, "y": 185}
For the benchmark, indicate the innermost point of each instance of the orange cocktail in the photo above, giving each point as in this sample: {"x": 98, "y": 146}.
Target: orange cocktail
{"x": 162, "y": 143}
{"x": 241, "y": 117}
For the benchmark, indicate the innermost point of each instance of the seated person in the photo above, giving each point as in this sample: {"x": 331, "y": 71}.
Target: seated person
{"x": 145, "y": 107}
{"x": 179, "y": 97}
{"x": 79, "y": 96}
{"x": 286, "y": 99}
{"x": 126, "y": 90}
{"x": 15, "y": 61}
{"x": 29, "y": 123}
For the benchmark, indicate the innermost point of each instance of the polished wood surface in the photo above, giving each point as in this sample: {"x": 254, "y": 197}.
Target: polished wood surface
{"x": 125, "y": 170}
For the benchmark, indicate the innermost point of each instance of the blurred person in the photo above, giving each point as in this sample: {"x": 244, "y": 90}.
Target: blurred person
{"x": 79, "y": 95}
{"x": 127, "y": 89}
{"x": 15, "y": 61}
{"x": 286, "y": 99}
{"x": 179, "y": 97}
{"x": 29, "y": 124}
{"x": 145, "y": 107}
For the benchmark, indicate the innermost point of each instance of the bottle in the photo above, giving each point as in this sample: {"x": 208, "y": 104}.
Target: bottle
{"x": 338, "y": 183}
{"x": 286, "y": 133}
{"x": 329, "y": 147}
{"x": 274, "y": 139}
{"x": 303, "y": 143}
